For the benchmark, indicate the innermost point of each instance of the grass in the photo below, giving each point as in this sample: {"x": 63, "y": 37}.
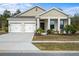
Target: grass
{"x": 74, "y": 37}
{"x": 58, "y": 46}
{"x": 2, "y": 32}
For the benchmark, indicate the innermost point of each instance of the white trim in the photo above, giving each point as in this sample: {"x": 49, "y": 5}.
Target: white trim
{"x": 53, "y": 17}
{"x": 21, "y": 19}
{"x": 17, "y": 22}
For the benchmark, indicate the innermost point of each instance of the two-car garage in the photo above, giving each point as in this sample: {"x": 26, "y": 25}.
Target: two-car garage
{"x": 22, "y": 26}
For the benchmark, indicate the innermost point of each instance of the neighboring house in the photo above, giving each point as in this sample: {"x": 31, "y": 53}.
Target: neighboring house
{"x": 36, "y": 18}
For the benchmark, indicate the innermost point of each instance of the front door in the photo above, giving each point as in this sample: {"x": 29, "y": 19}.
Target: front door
{"x": 42, "y": 25}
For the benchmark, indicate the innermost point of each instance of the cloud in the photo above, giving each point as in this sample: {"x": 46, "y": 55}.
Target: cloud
{"x": 72, "y": 10}
{"x": 13, "y": 7}
{"x": 24, "y": 6}
{"x": 29, "y": 5}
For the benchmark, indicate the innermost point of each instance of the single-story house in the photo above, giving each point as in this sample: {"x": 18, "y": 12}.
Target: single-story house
{"x": 36, "y": 18}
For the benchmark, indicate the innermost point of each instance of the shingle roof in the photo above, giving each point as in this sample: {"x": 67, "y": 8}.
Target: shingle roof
{"x": 28, "y": 10}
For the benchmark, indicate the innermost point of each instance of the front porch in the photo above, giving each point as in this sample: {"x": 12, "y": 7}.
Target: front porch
{"x": 56, "y": 24}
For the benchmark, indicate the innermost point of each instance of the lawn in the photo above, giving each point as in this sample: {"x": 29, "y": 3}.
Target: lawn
{"x": 74, "y": 37}
{"x": 2, "y": 32}
{"x": 58, "y": 46}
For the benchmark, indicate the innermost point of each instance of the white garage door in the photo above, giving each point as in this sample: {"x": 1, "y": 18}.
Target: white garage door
{"x": 15, "y": 28}
{"x": 30, "y": 27}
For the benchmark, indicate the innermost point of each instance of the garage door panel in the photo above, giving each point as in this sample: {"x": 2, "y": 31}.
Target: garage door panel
{"x": 15, "y": 27}
{"x": 30, "y": 27}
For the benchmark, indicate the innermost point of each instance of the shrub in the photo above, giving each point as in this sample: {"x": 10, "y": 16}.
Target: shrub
{"x": 70, "y": 29}
{"x": 39, "y": 31}
{"x": 67, "y": 29}
{"x": 49, "y": 31}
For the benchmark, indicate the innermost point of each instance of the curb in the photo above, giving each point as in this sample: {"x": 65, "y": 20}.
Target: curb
{"x": 55, "y": 41}
{"x": 35, "y": 51}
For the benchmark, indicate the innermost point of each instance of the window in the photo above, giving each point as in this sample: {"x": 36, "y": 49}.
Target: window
{"x": 52, "y": 26}
{"x": 61, "y": 24}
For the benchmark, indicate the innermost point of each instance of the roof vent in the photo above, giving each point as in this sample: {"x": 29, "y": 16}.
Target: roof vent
{"x": 36, "y": 9}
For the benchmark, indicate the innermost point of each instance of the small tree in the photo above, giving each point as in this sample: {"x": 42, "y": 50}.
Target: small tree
{"x": 6, "y": 14}
{"x": 75, "y": 20}
{"x": 17, "y": 12}
{"x": 3, "y": 19}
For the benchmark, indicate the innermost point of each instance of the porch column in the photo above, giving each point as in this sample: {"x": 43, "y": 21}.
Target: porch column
{"x": 48, "y": 23}
{"x": 38, "y": 23}
{"x": 69, "y": 21}
{"x": 59, "y": 25}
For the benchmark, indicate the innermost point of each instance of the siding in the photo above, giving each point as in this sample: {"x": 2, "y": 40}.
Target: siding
{"x": 21, "y": 19}
{"x": 33, "y": 12}
{"x": 53, "y": 13}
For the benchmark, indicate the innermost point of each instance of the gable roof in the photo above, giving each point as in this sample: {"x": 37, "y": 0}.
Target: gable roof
{"x": 29, "y": 10}
{"x": 54, "y": 8}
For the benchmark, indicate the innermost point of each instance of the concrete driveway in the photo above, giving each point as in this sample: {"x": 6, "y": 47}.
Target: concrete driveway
{"x": 16, "y": 42}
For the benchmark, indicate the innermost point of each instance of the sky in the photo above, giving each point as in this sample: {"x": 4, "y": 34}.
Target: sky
{"x": 70, "y": 8}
